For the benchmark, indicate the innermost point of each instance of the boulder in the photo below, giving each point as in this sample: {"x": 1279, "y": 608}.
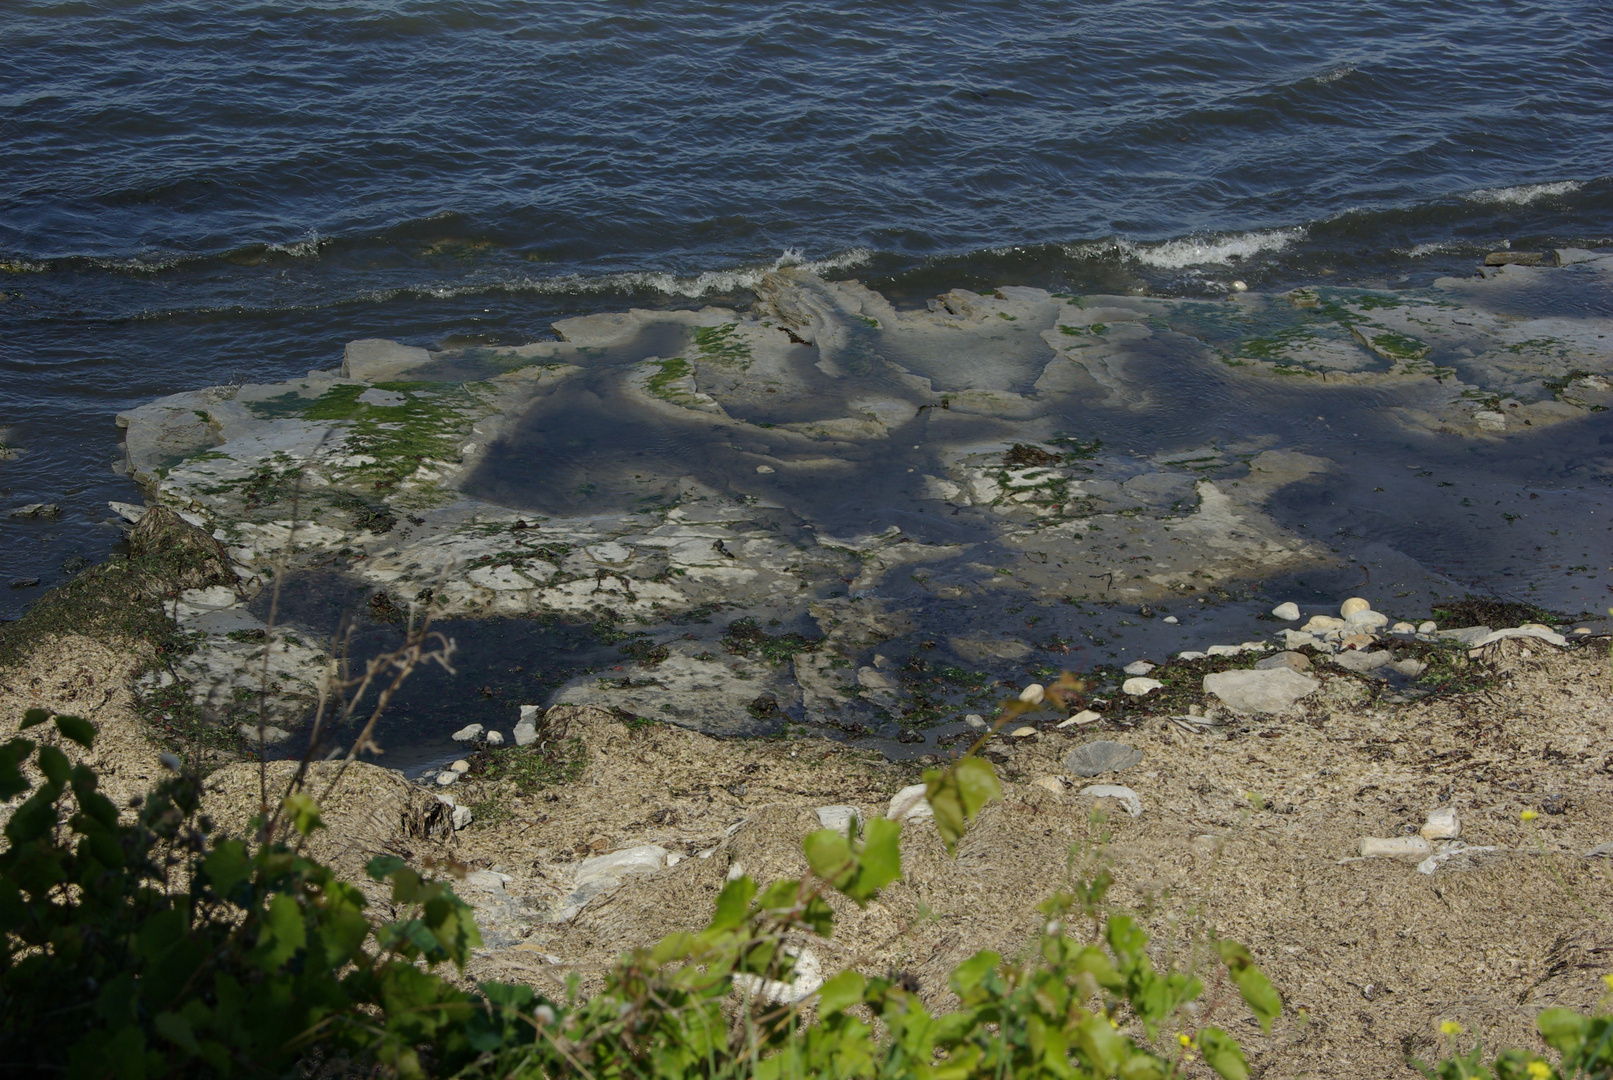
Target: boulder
{"x": 1260, "y": 691}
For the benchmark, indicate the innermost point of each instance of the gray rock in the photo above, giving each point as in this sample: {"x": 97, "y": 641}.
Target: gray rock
{"x": 837, "y": 817}
{"x": 975, "y": 720}
{"x": 1467, "y": 635}
{"x": 36, "y": 510}
{"x": 1540, "y": 632}
{"x": 1127, "y": 797}
{"x": 377, "y": 359}
{"x": 128, "y": 511}
{"x": 1101, "y": 756}
{"x": 467, "y": 733}
{"x": 1293, "y": 661}
{"x": 526, "y": 729}
{"x": 603, "y": 874}
{"x": 1260, "y": 691}
{"x": 1362, "y": 662}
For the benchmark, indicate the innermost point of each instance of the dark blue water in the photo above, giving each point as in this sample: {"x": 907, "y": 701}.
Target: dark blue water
{"x": 195, "y": 192}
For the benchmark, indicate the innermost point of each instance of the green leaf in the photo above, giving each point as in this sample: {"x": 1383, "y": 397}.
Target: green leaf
{"x": 304, "y": 813}
{"x": 33, "y": 718}
{"x": 828, "y": 852}
{"x": 973, "y": 971}
{"x": 1222, "y": 1053}
{"x": 1261, "y": 997}
{"x": 383, "y": 866}
{"x": 76, "y": 728}
{"x": 841, "y": 993}
{"x": 226, "y": 866}
{"x": 54, "y": 764}
{"x": 880, "y": 861}
{"x": 12, "y": 781}
{"x": 733, "y": 904}
{"x": 957, "y": 794}
{"x": 176, "y": 1029}
{"x": 1563, "y": 1029}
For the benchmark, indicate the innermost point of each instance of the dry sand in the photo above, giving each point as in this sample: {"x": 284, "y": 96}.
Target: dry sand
{"x": 1249, "y": 832}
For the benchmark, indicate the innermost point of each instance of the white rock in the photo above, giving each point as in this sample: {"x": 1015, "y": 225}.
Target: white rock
{"x": 1442, "y": 824}
{"x": 1427, "y": 626}
{"x": 128, "y": 511}
{"x": 1139, "y": 687}
{"x": 1133, "y": 804}
{"x": 1533, "y": 631}
{"x": 526, "y": 729}
{"x": 1224, "y": 650}
{"x": 1320, "y": 624}
{"x": 1190, "y": 654}
{"x": 1582, "y": 629}
{"x": 467, "y": 733}
{"x": 1172, "y": 619}
{"x": 1365, "y": 620}
{"x": 1293, "y": 639}
{"x": 1453, "y": 850}
{"x": 267, "y": 735}
{"x": 1358, "y": 661}
{"x": 1022, "y": 732}
{"x": 610, "y": 552}
{"x": 909, "y": 804}
{"x": 461, "y": 766}
{"x": 975, "y": 720}
{"x": 1138, "y": 667}
{"x": 604, "y": 873}
{"x": 1081, "y": 719}
{"x": 1033, "y": 694}
{"x": 446, "y": 777}
{"x": 1353, "y": 605}
{"x": 1287, "y": 611}
{"x": 764, "y": 469}
{"x": 1395, "y": 847}
{"x": 1403, "y": 628}
{"x": 837, "y": 817}
{"x": 1269, "y": 691}
{"x": 494, "y": 738}
{"x": 1051, "y": 783}
{"x": 808, "y": 978}
{"x": 462, "y": 817}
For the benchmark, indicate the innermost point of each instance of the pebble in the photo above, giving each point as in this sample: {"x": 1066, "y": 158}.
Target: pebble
{"x": 1427, "y": 626}
{"x": 1288, "y": 611}
{"x": 1022, "y": 732}
{"x": 1081, "y": 719}
{"x": 446, "y": 777}
{"x": 1292, "y": 660}
{"x": 1126, "y": 796}
{"x": 467, "y": 733}
{"x": 1102, "y": 756}
{"x": 460, "y": 766}
{"x": 1357, "y": 661}
{"x": 1189, "y": 654}
{"x": 1395, "y": 847}
{"x": 1322, "y": 624}
{"x": 764, "y": 469}
{"x": 975, "y": 720}
{"x": 837, "y": 817}
{"x": 1403, "y": 628}
{"x": 909, "y": 804}
{"x": 1269, "y": 691}
{"x": 1223, "y": 650}
{"x": 1353, "y": 606}
{"x": 1173, "y": 620}
{"x": 1365, "y": 620}
{"x": 1138, "y": 667}
{"x": 1442, "y": 824}
{"x": 1139, "y": 687}
{"x": 1033, "y": 694}
{"x": 1582, "y": 629}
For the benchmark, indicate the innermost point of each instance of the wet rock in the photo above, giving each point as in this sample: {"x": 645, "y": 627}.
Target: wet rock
{"x": 1139, "y": 686}
{"x": 1102, "y": 756}
{"x": 1033, "y": 694}
{"x": 1427, "y": 626}
{"x": 128, "y": 511}
{"x": 1172, "y": 619}
{"x": 1287, "y": 611}
{"x": 36, "y": 510}
{"x": 975, "y": 720}
{"x": 1354, "y": 606}
{"x": 461, "y": 766}
{"x": 1268, "y": 691}
{"x": 1123, "y": 795}
{"x": 1442, "y": 824}
{"x": 1291, "y": 660}
{"x": 909, "y": 804}
{"x": 1395, "y": 847}
{"x": 1519, "y": 258}
{"x": 980, "y": 648}
{"x": 24, "y": 582}
{"x": 495, "y": 738}
{"x": 1138, "y": 667}
{"x": 468, "y": 733}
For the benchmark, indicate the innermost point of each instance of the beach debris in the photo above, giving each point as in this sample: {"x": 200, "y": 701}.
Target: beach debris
{"x": 1081, "y": 719}
{"x": 1395, "y": 847}
{"x": 1442, "y": 824}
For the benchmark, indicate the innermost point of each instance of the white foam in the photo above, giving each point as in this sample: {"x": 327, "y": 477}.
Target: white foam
{"x": 297, "y": 249}
{"x": 1334, "y": 74}
{"x": 1520, "y": 194}
{"x": 1418, "y": 251}
{"x": 1189, "y": 251}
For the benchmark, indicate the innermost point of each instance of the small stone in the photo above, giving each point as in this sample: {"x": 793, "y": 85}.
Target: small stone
{"x": 1173, "y": 620}
{"x": 36, "y": 510}
{"x": 1224, "y": 650}
{"x": 1361, "y": 662}
{"x": 1353, "y": 605}
{"x": 1358, "y": 641}
{"x": 461, "y": 817}
{"x": 1102, "y": 756}
{"x": 1396, "y": 847}
{"x": 1139, "y": 687}
{"x": 1240, "y": 286}
{"x": 494, "y": 739}
{"x": 1081, "y": 719}
{"x": 468, "y": 733}
{"x": 1287, "y": 611}
{"x": 1427, "y": 626}
{"x": 1269, "y": 691}
{"x": 1033, "y": 694}
{"x": 1321, "y": 624}
{"x": 1050, "y": 783}
{"x": 267, "y": 735}
{"x": 446, "y": 777}
{"x": 460, "y": 766}
{"x": 1138, "y": 667}
{"x": 909, "y": 804}
{"x": 1126, "y": 796}
{"x": 1409, "y": 667}
{"x": 1190, "y": 654}
{"x": 1582, "y": 629}
{"x": 837, "y": 817}
{"x": 975, "y": 720}
{"x": 1365, "y": 620}
{"x": 1292, "y": 660}
{"x": 1403, "y": 628}
{"x": 1022, "y": 732}
{"x": 1442, "y": 824}
{"x": 764, "y": 469}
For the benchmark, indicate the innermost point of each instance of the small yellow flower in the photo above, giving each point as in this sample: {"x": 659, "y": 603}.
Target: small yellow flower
{"x": 1184, "y": 1039}
{"x": 1528, "y": 815}
{"x": 1451, "y": 1027}
{"x": 1539, "y": 1070}
{"x": 1607, "y": 980}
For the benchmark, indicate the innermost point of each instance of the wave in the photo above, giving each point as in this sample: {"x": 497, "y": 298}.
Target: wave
{"x": 1522, "y": 194}
{"x": 301, "y": 249}
{"x": 1195, "y": 250}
